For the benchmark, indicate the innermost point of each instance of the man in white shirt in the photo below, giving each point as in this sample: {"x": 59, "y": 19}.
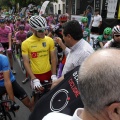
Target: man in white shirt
{"x": 75, "y": 48}
{"x": 96, "y": 23}
{"x": 99, "y": 83}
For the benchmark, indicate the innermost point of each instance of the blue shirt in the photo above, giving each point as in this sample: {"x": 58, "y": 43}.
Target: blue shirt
{"x": 4, "y": 66}
{"x": 89, "y": 15}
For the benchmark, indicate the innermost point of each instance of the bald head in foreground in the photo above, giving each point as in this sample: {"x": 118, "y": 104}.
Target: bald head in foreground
{"x": 99, "y": 84}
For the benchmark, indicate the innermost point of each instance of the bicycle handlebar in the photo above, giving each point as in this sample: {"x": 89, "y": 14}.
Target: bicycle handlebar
{"x": 13, "y": 105}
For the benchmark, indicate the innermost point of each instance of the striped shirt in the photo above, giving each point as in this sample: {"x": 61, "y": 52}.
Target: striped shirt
{"x": 76, "y": 55}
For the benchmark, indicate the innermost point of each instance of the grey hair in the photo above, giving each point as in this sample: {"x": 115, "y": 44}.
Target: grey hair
{"x": 99, "y": 81}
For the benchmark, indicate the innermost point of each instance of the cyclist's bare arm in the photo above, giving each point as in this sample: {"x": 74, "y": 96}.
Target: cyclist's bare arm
{"x": 91, "y": 24}
{"x": 53, "y": 62}
{"x": 27, "y": 66}
{"x": 60, "y": 43}
{"x": 10, "y": 38}
{"x": 8, "y": 84}
{"x": 55, "y": 83}
{"x": 89, "y": 39}
{"x": 100, "y": 24}
{"x": 101, "y": 44}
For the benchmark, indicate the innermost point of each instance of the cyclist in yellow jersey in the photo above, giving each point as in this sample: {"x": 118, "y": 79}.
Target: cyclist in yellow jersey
{"x": 38, "y": 53}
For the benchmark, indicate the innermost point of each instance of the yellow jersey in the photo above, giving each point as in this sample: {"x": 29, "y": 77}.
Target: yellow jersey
{"x": 38, "y": 50}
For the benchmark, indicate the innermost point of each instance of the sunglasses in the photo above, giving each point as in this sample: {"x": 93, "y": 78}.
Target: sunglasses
{"x": 107, "y": 34}
{"x": 117, "y": 35}
{"x": 41, "y": 31}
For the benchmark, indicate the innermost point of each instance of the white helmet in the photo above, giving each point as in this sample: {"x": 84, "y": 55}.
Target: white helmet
{"x": 116, "y": 29}
{"x": 37, "y": 22}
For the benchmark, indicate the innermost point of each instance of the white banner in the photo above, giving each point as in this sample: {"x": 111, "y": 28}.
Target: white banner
{"x": 111, "y": 8}
{"x": 43, "y": 8}
{"x": 76, "y": 17}
{"x": 23, "y": 10}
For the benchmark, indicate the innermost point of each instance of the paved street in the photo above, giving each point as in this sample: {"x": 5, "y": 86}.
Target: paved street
{"x": 23, "y": 112}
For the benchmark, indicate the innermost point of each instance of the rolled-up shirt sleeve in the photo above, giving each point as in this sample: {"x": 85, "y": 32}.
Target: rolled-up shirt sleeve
{"x": 66, "y": 51}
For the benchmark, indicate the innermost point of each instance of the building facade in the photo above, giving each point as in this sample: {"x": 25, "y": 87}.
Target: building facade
{"x": 59, "y": 7}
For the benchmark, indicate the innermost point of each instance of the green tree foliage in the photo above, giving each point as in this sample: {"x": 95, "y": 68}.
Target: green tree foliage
{"x": 22, "y": 3}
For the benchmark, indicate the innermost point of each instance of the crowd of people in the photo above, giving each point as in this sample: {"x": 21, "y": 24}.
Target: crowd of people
{"x": 46, "y": 43}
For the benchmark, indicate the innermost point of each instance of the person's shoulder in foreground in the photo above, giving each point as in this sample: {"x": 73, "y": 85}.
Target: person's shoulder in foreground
{"x": 61, "y": 116}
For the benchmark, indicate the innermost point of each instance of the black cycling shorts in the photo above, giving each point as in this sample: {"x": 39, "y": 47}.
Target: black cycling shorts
{"x": 95, "y": 30}
{"x": 18, "y": 91}
{"x": 5, "y": 45}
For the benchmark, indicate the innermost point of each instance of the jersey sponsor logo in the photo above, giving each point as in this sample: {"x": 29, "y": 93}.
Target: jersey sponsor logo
{"x": 33, "y": 46}
{"x": 44, "y": 44}
{"x": 7, "y": 66}
{"x": 1, "y": 75}
{"x": 34, "y": 54}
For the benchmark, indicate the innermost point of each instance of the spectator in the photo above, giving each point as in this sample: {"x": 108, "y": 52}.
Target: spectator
{"x": 89, "y": 15}
{"x": 78, "y": 49}
{"x": 99, "y": 83}
{"x": 91, "y": 8}
{"x": 96, "y": 23}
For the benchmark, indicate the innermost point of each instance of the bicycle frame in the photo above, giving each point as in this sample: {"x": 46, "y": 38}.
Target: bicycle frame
{"x": 5, "y": 108}
{"x": 38, "y": 94}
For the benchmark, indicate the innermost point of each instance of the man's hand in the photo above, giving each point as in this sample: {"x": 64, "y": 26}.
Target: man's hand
{"x": 58, "y": 40}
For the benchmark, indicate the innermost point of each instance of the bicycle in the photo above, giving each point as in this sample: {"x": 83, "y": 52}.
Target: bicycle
{"x": 7, "y": 106}
{"x": 38, "y": 94}
{"x": 21, "y": 61}
{"x": 20, "y": 55}
{"x": 94, "y": 41}
{"x": 13, "y": 51}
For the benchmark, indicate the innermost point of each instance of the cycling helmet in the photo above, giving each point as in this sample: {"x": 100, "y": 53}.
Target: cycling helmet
{"x": 7, "y": 13}
{"x": 8, "y": 20}
{"x": 107, "y": 30}
{"x": 84, "y": 20}
{"x": 63, "y": 17}
{"x": 30, "y": 33}
{"x": 22, "y": 21}
{"x": 116, "y": 29}
{"x": 37, "y": 22}
{"x": 21, "y": 27}
{"x": 2, "y": 20}
{"x": 18, "y": 19}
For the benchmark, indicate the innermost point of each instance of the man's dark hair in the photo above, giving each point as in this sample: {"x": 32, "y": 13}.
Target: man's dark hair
{"x": 73, "y": 28}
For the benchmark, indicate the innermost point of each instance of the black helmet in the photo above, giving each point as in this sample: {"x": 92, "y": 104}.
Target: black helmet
{"x": 21, "y": 27}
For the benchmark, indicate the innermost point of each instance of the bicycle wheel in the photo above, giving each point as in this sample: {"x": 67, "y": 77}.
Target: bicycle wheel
{"x": 13, "y": 52}
{"x": 21, "y": 61}
{"x": 22, "y": 64}
{"x": 13, "y": 55}
{"x": 7, "y": 116}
